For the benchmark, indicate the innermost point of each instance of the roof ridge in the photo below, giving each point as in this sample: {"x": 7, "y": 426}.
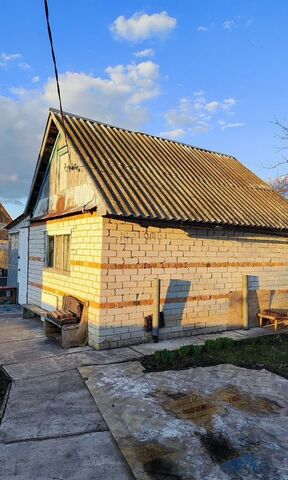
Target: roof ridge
{"x": 202, "y": 149}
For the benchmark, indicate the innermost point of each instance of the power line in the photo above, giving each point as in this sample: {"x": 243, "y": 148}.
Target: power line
{"x": 53, "y": 56}
{"x": 71, "y": 166}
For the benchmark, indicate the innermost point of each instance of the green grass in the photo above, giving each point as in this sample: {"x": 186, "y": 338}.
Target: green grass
{"x": 270, "y": 352}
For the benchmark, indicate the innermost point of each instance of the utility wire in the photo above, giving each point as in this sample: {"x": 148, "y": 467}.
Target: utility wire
{"x": 53, "y": 56}
{"x": 70, "y": 166}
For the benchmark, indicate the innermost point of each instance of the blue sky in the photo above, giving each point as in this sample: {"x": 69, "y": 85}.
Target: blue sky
{"x": 212, "y": 73}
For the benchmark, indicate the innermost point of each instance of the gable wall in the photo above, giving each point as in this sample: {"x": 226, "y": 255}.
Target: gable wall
{"x": 201, "y": 279}
{"x": 64, "y": 190}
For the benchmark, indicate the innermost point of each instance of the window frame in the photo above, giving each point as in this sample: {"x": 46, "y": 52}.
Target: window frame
{"x": 64, "y": 266}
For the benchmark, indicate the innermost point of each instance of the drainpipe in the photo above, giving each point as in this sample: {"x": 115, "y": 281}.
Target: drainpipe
{"x": 156, "y": 309}
{"x": 245, "y": 312}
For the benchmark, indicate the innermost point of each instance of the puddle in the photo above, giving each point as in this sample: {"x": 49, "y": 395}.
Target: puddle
{"x": 192, "y": 407}
{"x": 244, "y": 401}
{"x": 201, "y": 410}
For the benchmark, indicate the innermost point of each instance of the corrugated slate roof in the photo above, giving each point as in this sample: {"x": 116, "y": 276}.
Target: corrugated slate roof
{"x": 144, "y": 176}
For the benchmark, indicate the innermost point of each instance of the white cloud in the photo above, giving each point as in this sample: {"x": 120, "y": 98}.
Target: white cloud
{"x": 228, "y": 103}
{"x": 201, "y": 28}
{"x": 225, "y": 125}
{"x": 228, "y": 24}
{"x": 36, "y": 79}
{"x": 118, "y": 97}
{"x": 197, "y": 115}
{"x": 176, "y": 133}
{"x": 142, "y": 26}
{"x": 24, "y": 66}
{"x": 6, "y": 58}
{"x": 9, "y": 57}
{"x": 212, "y": 106}
{"x": 148, "y": 52}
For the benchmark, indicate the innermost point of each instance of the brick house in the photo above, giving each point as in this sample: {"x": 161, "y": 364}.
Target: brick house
{"x": 111, "y": 209}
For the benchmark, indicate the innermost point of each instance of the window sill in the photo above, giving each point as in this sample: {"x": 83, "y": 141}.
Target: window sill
{"x": 58, "y": 271}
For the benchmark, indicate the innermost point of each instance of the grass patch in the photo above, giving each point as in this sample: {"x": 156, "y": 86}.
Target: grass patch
{"x": 270, "y": 352}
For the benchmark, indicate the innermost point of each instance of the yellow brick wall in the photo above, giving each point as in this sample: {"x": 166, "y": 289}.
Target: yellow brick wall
{"x": 201, "y": 276}
{"x": 113, "y": 264}
{"x": 47, "y": 286}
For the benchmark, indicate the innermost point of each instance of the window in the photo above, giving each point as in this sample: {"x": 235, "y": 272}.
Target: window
{"x": 58, "y": 252}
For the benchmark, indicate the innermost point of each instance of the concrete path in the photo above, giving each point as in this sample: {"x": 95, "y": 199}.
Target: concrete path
{"x": 52, "y": 428}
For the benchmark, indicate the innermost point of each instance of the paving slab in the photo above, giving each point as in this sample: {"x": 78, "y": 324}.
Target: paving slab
{"x": 176, "y": 343}
{"x": 52, "y": 428}
{"x": 33, "y": 349}
{"x": 62, "y": 363}
{"x": 93, "y": 456}
{"x": 50, "y": 406}
{"x": 161, "y": 420}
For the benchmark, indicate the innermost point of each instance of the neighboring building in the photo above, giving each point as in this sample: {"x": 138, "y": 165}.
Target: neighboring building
{"x": 4, "y": 220}
{"x": 18, "y": 256}
{"x": 113, "y": 209}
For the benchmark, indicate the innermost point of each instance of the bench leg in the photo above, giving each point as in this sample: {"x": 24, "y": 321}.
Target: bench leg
{"x": 260, "y": 321}
{"x": 275, "y": 324}
{"x": 50, "y": 330}
{"x": 75, "y": 336}
{"x": 26, "y": 313}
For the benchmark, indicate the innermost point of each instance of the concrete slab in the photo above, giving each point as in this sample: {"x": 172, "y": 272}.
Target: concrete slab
{"x": 62, "y": 363}
{"x": 176, "y": 343}
{"x": 33, "y": 349}
{"x": 172, "y": 344}
{"x": 157, "y": 420}
{"x": 52, "y": 428}
{"x": 50, "y": 406}
{"x": 81, "y": 457}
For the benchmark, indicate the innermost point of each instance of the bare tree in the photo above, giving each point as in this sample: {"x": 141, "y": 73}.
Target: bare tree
{"x": 280, "y": 183}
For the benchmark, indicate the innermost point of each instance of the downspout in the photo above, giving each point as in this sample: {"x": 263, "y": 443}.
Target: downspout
{"x": 156, "y": 309}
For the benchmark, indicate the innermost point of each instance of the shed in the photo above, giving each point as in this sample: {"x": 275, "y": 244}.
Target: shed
{"x": 111, "y": 209}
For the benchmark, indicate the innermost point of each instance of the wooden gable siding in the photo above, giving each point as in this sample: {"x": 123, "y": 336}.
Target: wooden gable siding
{"x": 62, "y": 189}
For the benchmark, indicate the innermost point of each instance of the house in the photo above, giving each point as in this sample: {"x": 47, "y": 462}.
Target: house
{"x": 4, "y": 220}
{"x": 111, "y": 209}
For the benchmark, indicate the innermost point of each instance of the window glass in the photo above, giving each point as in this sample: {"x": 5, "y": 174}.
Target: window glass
{"x": 66, "y": 252}
{"x": 58, "y": 252}
{"x": 50, "y": 251}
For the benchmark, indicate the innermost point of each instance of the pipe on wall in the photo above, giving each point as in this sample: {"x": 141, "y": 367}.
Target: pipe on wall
{"x": 156, "y": 309}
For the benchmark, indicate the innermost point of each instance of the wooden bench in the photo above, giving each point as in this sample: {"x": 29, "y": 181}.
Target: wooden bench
{"x": 31, "y": 311}
{"x": 69, "y": 324}
{"x": 275, "y": 317}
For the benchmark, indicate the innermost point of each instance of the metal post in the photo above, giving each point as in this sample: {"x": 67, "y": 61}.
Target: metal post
{"x": 245, "y": 312}
{"x": 156, "y": 309}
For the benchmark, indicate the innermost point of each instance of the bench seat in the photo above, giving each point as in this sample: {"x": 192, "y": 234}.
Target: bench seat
{"x": 275, "y": 317}
{"x": 69, "y": 321}
{"x": 30, "y": 311}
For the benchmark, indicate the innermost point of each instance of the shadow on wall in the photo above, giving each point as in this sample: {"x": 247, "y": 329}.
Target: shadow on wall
{"x": 175, "y": 301}
{"x": 254, "y": 300}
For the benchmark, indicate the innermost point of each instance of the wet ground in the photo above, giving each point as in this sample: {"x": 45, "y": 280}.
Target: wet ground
{"x": 213, "y": 423}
